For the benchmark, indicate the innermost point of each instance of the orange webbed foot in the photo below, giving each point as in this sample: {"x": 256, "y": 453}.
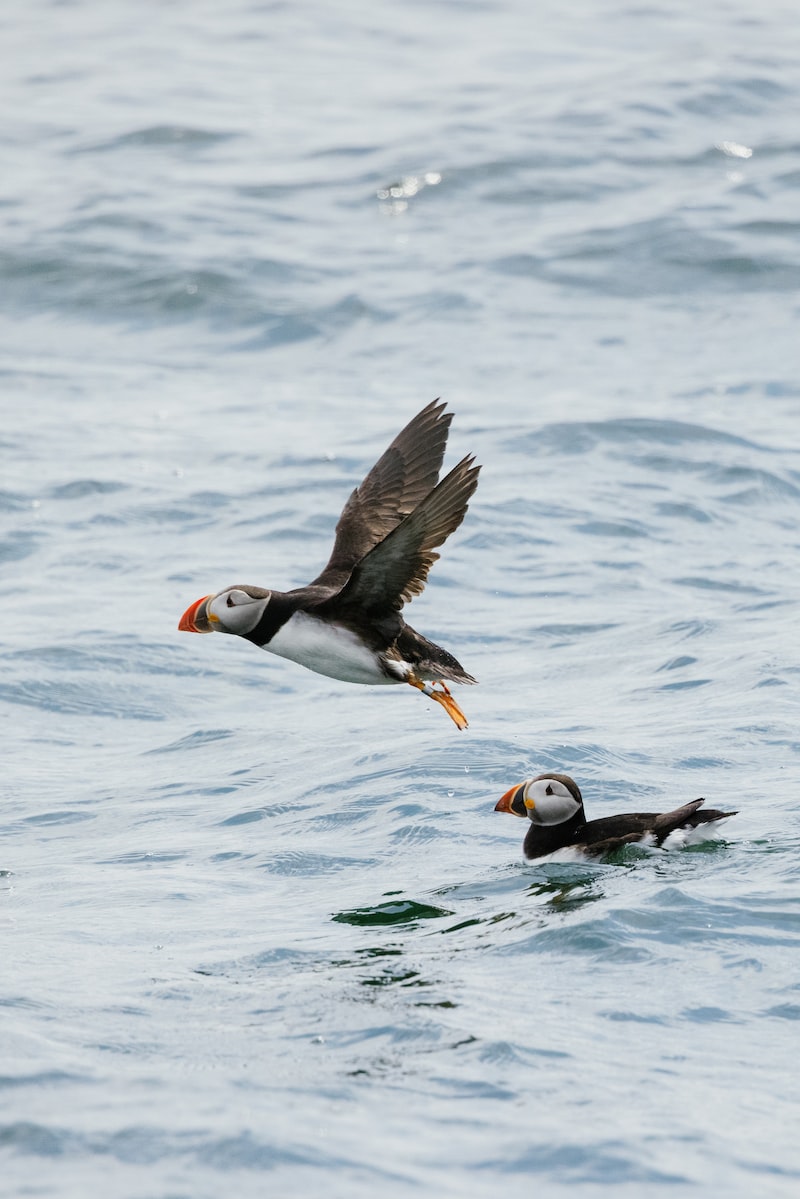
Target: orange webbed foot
{"x": 444, "y": 698}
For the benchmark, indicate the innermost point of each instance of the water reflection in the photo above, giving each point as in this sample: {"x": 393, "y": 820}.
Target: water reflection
{"x": 401, "y": 911}
{"x": 565, "y": 895}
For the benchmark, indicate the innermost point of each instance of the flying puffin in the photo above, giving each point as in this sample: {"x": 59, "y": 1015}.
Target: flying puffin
{"x": 347, "y": 623}
{"x": 554, "y": 805}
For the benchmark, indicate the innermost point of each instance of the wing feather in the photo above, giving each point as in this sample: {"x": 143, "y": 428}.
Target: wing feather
{"x": 401, "y": 478}
{"x": 396, "y": 569}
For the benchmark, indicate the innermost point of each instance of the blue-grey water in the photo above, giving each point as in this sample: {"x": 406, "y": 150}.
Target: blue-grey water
{"x": 262, "y": 932}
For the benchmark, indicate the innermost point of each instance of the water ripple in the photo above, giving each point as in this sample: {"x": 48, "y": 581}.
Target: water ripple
{"x": 258, "y": 912}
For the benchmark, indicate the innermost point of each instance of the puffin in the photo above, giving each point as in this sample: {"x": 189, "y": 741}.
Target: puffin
{"x": 554, "y": 805}
{"x": 347, "y": 623}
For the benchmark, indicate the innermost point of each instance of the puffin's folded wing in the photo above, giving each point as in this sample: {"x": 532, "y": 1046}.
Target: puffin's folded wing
{"x": 686, "y": 816}
{"x": 609, "y": 845}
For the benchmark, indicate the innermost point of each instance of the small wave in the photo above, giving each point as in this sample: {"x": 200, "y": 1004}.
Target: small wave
{"x": 313, "y": 865}
{"x": 13, "y": 502}
{"x": 574, "y": 1162}
{"x": 79, "y": 488}
{"x": 182, "y": 137}
{"x": 656, "y": 256}
{"x": 744, "y": 95}
{"x": 19, "y": 545}
{"x": 74, "y": 699}
{"x": 577, "y": 437}
{"x": 192, "y": 741}
{"x": 68, "y": 816}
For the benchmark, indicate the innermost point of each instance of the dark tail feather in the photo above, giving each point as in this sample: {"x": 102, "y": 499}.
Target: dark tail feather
{"x": 689, "y": 815}
{"x": 708, "y": 815}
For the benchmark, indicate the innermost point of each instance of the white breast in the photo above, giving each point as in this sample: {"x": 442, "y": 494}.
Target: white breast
{"x": 327, "y": 649}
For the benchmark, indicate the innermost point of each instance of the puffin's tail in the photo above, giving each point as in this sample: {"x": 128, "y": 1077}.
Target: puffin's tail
{"x": 689, "y": 816}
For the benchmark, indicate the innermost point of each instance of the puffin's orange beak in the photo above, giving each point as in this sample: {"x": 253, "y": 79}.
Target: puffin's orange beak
{"x": 193, "y": 620}
{"x": 506, "y": 802}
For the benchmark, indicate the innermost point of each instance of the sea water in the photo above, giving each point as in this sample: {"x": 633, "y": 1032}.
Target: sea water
{"x": 263, "y": 932}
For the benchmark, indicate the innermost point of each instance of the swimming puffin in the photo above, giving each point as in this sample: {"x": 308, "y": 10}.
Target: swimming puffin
{"x": 347, "y": 622}
{"x": 554, "y": 805}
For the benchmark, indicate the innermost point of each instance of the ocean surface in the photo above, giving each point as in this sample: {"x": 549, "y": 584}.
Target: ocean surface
{"x": 263, "y": 933}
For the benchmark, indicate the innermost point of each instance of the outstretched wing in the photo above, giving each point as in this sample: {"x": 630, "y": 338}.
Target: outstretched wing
{"x": 399, "y": 480}
{"x": 396, "y": 569}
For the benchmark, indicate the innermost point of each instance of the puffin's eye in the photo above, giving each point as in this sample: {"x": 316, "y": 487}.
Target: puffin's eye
{"x": 548, "y": 789}
{"x": 235, "y": 598}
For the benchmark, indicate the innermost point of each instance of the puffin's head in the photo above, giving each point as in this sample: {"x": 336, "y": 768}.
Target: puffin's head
{"x": 235, "y": 610}
{"x": 547, "y": 799}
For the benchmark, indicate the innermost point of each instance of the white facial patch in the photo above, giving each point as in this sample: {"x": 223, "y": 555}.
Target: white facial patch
{"x": 236, "y": 611}
{"x": 552, "y": 802}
